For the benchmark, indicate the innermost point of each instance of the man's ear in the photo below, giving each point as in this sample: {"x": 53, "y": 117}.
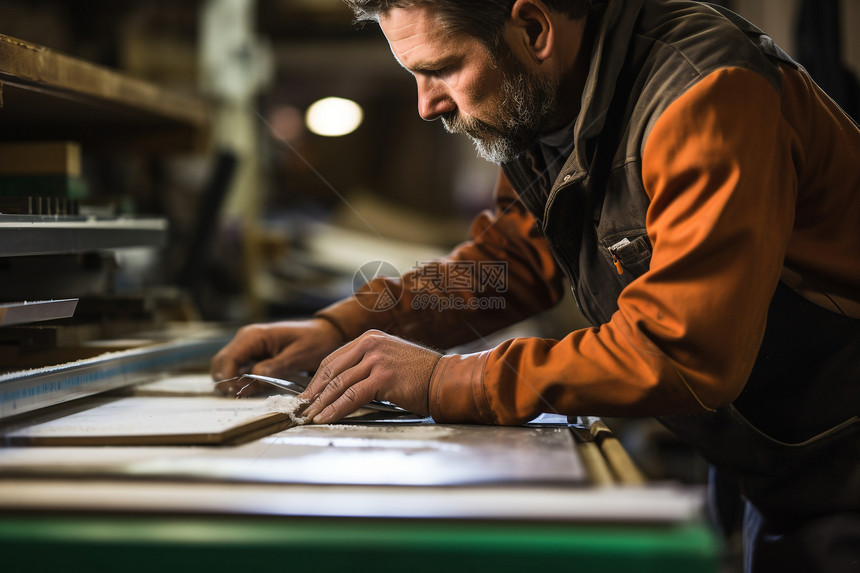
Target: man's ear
{"x": 532, "y": 29}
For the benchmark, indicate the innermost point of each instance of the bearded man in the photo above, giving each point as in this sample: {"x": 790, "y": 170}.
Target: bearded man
{"x": 702, "y": 196}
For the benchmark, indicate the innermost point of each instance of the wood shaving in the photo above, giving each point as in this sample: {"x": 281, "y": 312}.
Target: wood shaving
{"x": 290, "y": 405}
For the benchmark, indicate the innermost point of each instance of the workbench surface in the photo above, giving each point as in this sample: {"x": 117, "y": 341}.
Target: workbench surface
{"x": 379, "y": 495}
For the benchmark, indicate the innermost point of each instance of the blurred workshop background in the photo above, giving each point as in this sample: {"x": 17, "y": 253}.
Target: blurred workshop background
{"x": 272, "y": 216}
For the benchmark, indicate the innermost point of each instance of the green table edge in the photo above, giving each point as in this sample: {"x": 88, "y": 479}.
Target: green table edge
{"x": 220, "y": 543}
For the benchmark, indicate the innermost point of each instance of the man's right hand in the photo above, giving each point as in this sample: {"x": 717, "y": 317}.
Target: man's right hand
{"x": 278, "y": 349}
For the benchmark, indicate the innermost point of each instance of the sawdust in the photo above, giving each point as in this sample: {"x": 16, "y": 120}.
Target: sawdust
{"x": 289, "y": 405}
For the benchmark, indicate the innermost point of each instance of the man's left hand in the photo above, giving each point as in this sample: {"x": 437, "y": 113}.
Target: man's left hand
{"x": 374, "y": 366}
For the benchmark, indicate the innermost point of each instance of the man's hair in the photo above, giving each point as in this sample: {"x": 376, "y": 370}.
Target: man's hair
{"x": 481, "y": 19}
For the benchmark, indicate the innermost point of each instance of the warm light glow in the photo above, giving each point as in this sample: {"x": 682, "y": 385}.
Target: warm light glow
{"x": 333, "y": 116}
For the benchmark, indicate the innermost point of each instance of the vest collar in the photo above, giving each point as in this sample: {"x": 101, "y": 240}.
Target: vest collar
{"x": 607, "y": 59}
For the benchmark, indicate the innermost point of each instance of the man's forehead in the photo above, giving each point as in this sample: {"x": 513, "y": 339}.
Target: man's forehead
{"x": 410, "y": 29}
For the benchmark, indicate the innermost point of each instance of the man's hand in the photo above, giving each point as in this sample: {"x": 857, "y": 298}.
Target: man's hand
{"x": 278, "y": 349}
{"x": 374, "y": 366}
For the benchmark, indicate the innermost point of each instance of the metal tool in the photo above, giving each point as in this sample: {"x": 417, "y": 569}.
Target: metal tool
{"x": 36, "y": 310}
{"x": 296, "y": 388}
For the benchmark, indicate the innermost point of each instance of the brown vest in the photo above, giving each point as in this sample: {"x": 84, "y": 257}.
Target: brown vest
{"x": 795, "y": 426}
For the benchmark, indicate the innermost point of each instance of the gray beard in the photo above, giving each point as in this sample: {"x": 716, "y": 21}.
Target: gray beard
{"x": 529, "y": 102}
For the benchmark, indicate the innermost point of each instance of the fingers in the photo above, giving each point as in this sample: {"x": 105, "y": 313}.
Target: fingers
{"x": 277, "y": 349}
{"x": 280, "y": 365}
{"x": 374, "y": 366}
{"x": 339, "y": 386}
{"x": 249, "y": 344}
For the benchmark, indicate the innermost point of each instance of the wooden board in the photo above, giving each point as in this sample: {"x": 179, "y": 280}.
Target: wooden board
{"x": 151, "y": 421}
{"x": 41, "y": 158}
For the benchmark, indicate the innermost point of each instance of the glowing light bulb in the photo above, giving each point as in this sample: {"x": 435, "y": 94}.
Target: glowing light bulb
{"x": 333, "y": 116}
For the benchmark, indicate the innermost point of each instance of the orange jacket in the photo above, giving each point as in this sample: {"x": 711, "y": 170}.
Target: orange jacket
{"x": 747, "y": 186}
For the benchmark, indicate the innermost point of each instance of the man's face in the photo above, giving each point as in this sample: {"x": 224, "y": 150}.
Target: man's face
{"x": 501, "y": 105}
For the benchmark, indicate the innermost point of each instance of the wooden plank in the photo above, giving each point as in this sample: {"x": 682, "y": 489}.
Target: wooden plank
{"x": 41, "y": 158}
{"x": 151, "y": 421}
{"x": 119, "y": 98}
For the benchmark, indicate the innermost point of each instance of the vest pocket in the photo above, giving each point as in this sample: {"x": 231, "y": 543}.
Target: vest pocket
{"x": 629, "y": 253}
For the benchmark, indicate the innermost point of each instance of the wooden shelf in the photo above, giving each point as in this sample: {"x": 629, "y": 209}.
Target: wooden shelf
{"x": 49, "y": 95}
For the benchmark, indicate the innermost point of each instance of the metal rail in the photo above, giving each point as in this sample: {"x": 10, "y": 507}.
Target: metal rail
{"x": 30, "y": 390}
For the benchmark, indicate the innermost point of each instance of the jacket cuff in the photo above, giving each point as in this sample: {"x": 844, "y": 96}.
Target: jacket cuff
{"x": 457, "y": 389}
{"x": 349, "y": 317}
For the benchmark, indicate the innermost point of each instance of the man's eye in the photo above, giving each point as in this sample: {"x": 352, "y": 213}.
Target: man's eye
{"x": 443, "y": 71}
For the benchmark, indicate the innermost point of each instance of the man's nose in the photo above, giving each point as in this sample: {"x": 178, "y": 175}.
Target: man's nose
{"x": 433, "y": 99}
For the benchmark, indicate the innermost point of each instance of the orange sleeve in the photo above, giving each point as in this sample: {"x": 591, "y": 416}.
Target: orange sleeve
{"x": 717, "y": 166}
{"x": 502, "y": 274}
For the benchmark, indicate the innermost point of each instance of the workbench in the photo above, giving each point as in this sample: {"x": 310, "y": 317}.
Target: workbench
{"x": 369, "y": 494}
